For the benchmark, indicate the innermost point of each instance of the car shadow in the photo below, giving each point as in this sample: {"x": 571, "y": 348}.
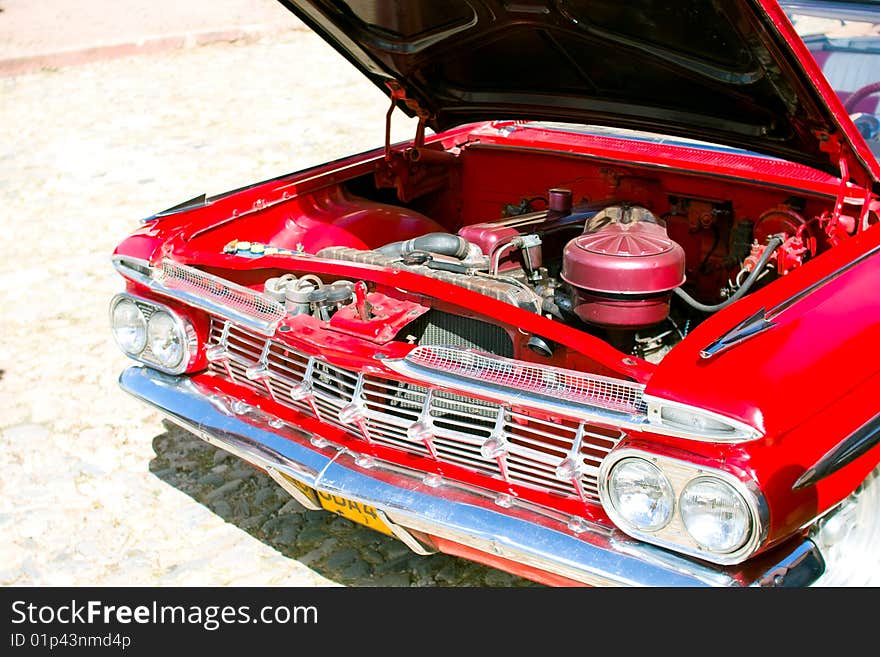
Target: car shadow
{"x": 330, "y": 545}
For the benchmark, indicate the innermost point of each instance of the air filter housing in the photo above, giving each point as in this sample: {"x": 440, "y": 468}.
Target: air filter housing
{"x": 623, "y": 268}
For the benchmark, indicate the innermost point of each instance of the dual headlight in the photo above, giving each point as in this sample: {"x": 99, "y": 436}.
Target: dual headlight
{"x": 706, "y": 513}
{"x": 152, "y": 333}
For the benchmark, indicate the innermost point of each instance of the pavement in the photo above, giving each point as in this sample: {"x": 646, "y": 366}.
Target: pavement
{"x": 96, "y": 488}
{"x": 56, "y": 33}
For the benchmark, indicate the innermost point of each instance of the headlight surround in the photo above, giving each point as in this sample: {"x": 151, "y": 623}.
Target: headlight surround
{"x": 167, "y": 339}
{"x": 129, "y": 326}
{"x": 715, "y": 514}
{"x": 729, "y": 535}
{"x": 641, "y": 494}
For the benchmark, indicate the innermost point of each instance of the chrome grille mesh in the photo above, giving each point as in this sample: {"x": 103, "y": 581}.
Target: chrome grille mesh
{"x": 243, "y": 300}
{"x": 562, "y": 456}
{"x": 561, "y": 384}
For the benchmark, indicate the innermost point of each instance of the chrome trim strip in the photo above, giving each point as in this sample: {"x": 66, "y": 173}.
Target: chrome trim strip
{"x": 741, "y": 432}
{"x": 846, "y": 451}
{"x": 745, "y": 329}
{"x": 136, "y": 269}
{"x": 523, "y": 533}
{"x": 761, "y": 321}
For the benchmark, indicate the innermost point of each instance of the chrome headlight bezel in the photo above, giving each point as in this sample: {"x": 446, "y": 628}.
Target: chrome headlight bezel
{"x": 674, "y": 535}
{"x": 182, "y": 326}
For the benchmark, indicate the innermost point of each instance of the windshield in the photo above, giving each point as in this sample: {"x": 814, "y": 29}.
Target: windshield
{"x": 844, "y": 38}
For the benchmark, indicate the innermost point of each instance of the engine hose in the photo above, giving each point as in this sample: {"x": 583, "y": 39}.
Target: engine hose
{"x": 774, "y": 243}
{"x": 441, "y": 243}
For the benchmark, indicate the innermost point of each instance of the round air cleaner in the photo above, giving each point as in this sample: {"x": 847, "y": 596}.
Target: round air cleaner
{"x": 623, "y": 268}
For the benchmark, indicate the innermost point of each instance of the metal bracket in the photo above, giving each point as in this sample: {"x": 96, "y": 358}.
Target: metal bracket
{"x": 293, "y": 490}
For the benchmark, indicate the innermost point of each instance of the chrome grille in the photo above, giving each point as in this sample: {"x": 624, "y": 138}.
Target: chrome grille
{"x": 601, "y": 391}
{"x": 562, "y": 456}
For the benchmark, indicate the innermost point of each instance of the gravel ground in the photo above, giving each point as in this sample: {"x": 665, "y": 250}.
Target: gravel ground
{"x": 96, "y": 489}
{"x": 28, "y": 27}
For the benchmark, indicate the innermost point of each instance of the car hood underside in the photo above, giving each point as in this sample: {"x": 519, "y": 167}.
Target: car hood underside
{"x": 720, "y": 71}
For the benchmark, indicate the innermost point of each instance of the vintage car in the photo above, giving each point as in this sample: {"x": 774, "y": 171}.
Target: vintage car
{"x": 610, "y": 317}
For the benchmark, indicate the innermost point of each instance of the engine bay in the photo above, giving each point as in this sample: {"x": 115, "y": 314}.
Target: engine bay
{"x": 634, "y": 257}
{"x": 611, "y": 269}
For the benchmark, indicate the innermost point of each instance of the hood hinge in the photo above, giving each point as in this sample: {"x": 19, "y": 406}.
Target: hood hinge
{"x": 414, "y": 170}
{"x": 398, "y": 93}
{"x": 848, "y": 193}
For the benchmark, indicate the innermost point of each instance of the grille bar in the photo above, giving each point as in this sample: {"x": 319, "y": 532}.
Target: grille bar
{"x": 562, "y": 456}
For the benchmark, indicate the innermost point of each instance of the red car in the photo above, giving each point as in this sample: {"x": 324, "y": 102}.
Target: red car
{"x": 609, "y": 318}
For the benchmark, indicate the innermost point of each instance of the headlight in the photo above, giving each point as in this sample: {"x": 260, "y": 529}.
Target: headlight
{"x": 129, "y": 326}
{"x": 166, "y": 339}
{"x": 641, "y": 494}
{"x": 687, "y": 507}
{"x": 715, "y": 515}
{"x": 153, "y": 333}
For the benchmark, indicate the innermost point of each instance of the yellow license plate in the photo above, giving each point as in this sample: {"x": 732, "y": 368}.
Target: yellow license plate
{"x": 306, "y": 490}
{"x": 362, "y": 514}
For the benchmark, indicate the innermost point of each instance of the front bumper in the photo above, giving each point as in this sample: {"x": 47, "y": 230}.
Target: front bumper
{"x": 414, "y": 505}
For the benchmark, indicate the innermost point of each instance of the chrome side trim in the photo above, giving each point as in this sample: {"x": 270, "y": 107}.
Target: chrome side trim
{"x": 136, "y": 269}
{"x": 745, "y": 329}
{"x": 523, "y": 533}
{"x": 846, "y": 451}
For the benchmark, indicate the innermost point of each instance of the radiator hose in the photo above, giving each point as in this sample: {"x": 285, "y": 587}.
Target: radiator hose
{"x": 441, "y": 243}
{"x": 774, "y": 243}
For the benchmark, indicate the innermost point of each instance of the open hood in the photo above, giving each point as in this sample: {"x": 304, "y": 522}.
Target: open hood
{"x": 727, "y": 71}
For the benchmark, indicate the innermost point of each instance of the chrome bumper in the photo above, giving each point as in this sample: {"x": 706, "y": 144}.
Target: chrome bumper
{"x": 521, "y": 532}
